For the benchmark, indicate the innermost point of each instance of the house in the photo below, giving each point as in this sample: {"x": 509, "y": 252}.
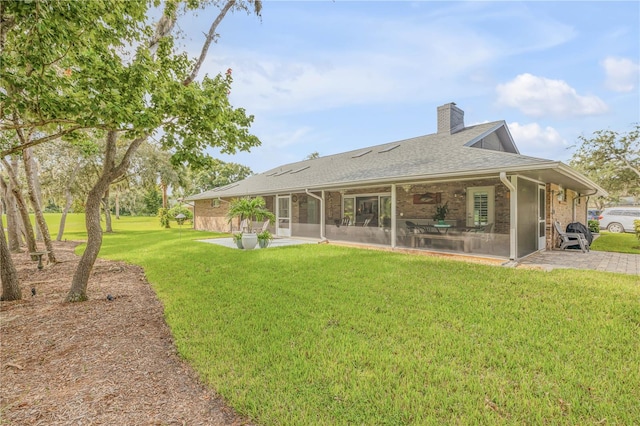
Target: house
{"x": 500, "y": 203}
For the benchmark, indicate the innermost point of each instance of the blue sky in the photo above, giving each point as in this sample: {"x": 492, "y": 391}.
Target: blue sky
{"x": 335, "y": 76}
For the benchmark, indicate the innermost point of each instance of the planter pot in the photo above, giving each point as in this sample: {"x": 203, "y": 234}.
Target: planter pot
{"x": 264, "y": 243}
{"x": 239, "y": 243}
{"x": 249, "y": 241}
{"x": 441, "y": 222}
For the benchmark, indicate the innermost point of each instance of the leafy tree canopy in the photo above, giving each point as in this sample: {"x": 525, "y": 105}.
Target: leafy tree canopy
{"x": 69, "y": 65}
{"x": 218, "y": 173}
{"x": 612, "y": 160}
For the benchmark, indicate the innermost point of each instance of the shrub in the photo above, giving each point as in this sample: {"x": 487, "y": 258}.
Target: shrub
{"x": 594, "y": 226}
{"x": 163, "y": 214}
{"x": 636, "y": 227}
{"x": 175, "y": 211}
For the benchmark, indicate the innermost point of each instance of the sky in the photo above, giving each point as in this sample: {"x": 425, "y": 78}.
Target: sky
{"x": 334, "y": 76}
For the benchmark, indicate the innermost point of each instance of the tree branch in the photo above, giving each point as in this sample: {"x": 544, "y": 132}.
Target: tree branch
{"x": 210, "y": 36}
{"x": 24, "y": 145}
{"x": 121, "y": 168}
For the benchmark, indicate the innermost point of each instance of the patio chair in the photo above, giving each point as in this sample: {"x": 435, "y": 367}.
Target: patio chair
{"x": 413, "y": 228}
{"x": 265, "y": 226}
{"x": 244, "y": 226}
{"x": 571, "y": 239}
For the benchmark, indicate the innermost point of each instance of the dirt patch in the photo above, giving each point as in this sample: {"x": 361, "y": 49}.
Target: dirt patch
{"x": 110, "y": 362}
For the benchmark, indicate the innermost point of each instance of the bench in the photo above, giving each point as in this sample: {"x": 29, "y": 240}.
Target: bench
{"x": 465, "y": 239}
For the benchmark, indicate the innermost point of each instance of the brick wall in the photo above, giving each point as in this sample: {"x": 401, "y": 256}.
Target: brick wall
{"x": 570, "y": 209}
{"x": 209, "y": 217}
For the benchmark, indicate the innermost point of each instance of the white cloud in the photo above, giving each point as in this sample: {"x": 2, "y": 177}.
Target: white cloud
{"x": 539, "y": 96}
{"x": 535, "y": 141}
{"x": 264, "y": 82}
{"x": 622, "y": 74}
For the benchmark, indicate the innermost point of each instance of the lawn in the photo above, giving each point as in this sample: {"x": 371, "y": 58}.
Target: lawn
{"x": 620, "y": 243}
{"x": 320, "y": 334}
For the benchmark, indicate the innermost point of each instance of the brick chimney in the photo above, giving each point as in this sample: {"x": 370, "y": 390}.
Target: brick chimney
{"x": 450, "y": 118}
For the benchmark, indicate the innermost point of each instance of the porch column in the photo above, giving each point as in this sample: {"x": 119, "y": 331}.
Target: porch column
{"x": 321, "y": 199}
{"x": 323, "y": 225}
{"x": 393, "y": 215}
{"x": 513, "y": 198}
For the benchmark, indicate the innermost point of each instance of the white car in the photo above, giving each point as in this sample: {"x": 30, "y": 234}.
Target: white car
{"x": 619, "y": 219}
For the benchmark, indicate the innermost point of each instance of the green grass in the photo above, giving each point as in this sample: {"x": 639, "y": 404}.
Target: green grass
{"x": 320, "y": 334}
{"x": 620, "y": 243}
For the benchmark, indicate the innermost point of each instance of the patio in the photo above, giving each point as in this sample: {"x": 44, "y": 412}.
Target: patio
{"x": 276, "y": 242}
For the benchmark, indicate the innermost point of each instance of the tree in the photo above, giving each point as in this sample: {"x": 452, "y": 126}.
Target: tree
{"x": 14, "y": 227}
{"x": 122, "y": 77}
{"x": 31, "y": 177}
{"x": 313, "y": 155}
{"x": 16, "y": 192}
{"x": 152, "y": 166}
{"x": 152, "y": 201}
{"x": 218, "y": 173}
{"x": 612, "y": 160}
{"x": 65, "y": 170}
{"x": 8, "y": 274}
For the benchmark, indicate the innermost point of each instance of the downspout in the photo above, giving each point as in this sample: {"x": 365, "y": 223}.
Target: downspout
{"x": 393, "y": 216}
{"x": 322, "y": 237}
{"x": 586, "y": 196}
{"x": 512, "y": 214}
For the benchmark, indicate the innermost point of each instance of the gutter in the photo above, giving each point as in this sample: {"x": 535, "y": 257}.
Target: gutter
{"x": 512, "y": 214}
{"x": 322, "y": 224}
{"x": 558, "y": 166}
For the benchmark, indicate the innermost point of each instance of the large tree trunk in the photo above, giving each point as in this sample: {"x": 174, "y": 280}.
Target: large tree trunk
{"x": 13, "y": 222}
{"x": 165, "y": 202}
{"x": 14, "y": 187}
{"x": 37, "y": 190}
{"x": 35, "y": 203}
{"x": 8, "y": 274}
{"x": 78, "y": 290}
{"x": 107, "y": 213}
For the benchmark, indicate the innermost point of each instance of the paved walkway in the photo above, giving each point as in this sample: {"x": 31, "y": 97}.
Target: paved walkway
{"x": 596, "y": 260}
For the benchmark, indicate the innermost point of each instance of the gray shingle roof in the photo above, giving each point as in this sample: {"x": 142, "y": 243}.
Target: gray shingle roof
{"x": 423, "y": 157}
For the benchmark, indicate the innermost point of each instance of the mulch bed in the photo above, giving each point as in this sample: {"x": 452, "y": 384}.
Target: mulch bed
{"x": 110, "y": 362}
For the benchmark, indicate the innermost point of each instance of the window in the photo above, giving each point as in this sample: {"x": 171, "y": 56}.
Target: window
{"x": 375, "y": 210}
{"x": 480, "y": 205}
{"x": 348, "y": 211}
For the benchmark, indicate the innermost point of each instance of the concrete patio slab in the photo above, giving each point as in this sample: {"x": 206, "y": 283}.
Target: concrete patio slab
{"x": 276, "y": 242}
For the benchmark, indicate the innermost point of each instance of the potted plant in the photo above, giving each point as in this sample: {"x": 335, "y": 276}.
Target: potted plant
{"x": 250, "y": 209}
{"x": 264, "y": 238}
{"x": 441, "y": 213}
{"x": 237, "y": 237}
